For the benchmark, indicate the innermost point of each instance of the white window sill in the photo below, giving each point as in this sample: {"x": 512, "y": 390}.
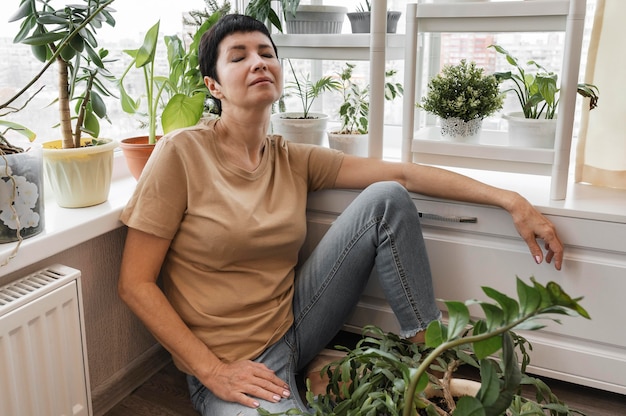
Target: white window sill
{"x": 68, "y": 227}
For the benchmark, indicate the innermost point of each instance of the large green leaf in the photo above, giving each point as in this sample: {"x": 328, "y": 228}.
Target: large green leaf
{"x": 147, "y": 51}
{"x": 182, "y": 111}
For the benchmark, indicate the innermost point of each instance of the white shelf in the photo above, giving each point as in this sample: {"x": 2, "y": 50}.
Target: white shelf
{"x": 492, "y": 153}
{"x": 494, "y": 16}
{"x": 335, "y": 47}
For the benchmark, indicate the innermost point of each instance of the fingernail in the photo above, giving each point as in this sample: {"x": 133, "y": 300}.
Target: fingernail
{"x": 286, "y": 393}
{"x": 537, "y": 259}
{"x": 256, "y": 404}
{"x": 277, "y": 397}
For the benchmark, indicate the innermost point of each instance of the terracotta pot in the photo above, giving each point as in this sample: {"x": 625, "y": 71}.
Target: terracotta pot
{"x": 137, "y": 151}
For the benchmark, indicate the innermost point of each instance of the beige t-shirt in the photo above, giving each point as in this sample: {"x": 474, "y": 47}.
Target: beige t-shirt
{"x": 235, "y": 234}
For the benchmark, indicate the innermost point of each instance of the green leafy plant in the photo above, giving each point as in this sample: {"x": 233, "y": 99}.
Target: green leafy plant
{"x": 262, "y": 10}
{"x": 67, "y": 36}
{"x": 307, "y": 90}
{"x": 177, "y": 99}
{"x": 364, "y": 8}
{"x": 538, "y": 92}
{"x": 354, "y": 110}
{"x": 197, "y": 17}
{"x": 462, "y": 91}
{"x": 385, "y": 375}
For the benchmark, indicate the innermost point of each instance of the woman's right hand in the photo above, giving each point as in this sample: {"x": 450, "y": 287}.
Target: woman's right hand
{"x": 245, "y": 382}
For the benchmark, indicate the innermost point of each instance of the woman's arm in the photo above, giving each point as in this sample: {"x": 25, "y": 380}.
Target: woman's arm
{"x": 358, "y": 173}
{"x": 236, "y": 382}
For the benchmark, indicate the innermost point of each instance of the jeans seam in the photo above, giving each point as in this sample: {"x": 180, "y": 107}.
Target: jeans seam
{"x": 358, "y": 235}
{"x": 402, "y": 276}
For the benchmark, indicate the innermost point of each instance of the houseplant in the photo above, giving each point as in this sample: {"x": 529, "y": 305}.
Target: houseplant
{"x": 462, "y": 95}
{"x": 538, "y": 97}
{"x": 352, "y": 136}
{"x": 177, "y": 100}
{"x": 21, "y": 182}
{"x": 315, "y": 19}
{"x": 304, "y": 126}
{"x": 262, "y": 10}
{"x": 385, "y": 375}
{"x": 360, "y": 20}
{"x": 79, "y": 169}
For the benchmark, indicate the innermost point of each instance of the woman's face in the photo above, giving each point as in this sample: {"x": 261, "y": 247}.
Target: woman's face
{"x": 249, "y": 71}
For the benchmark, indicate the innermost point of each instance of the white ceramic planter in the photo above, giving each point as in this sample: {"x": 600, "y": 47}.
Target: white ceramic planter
{"x": 456, "y": 130}
{"x": 352, "y": 144}
{"x": 360, "y": 22}
{"x": 294, "y": 128}
{"x": 529, "y": 132}
{"x": 316, "y": 19}
{"x": 79, "y": 177}
{"x": 21, "y": 193}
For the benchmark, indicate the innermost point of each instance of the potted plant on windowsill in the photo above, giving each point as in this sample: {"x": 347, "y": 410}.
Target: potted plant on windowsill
{"x": 538, "y": 96}
{"x": 352, "y": 137}
{"x": 462, "y": 95}
{"x": 360, "y": 20}
{"x": 177, "y": 101}
{"x": 304, "y": 126}
{"x": 262, "y": 10}
{"x": 385, "y": 375}
{"x": 79, "y": 169}
{"x": 21, "y": 180}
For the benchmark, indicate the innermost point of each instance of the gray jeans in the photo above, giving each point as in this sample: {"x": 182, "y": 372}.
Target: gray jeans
{"x": 380, "y": 230}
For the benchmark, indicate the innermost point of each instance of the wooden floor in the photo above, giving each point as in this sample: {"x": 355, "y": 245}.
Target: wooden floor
{"x": 165, "y": 394}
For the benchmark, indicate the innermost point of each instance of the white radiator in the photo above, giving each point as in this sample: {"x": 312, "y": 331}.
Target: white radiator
{"x": 43, "y": 356}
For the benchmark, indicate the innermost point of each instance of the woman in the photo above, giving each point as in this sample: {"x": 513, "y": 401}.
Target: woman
{"x": 220, "y": 212}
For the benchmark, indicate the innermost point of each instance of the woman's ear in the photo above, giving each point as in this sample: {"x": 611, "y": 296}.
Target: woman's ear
{"x": 214, "y": 87}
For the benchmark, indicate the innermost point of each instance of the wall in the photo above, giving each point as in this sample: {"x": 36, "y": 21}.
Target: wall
{"x": 121, "y": 352}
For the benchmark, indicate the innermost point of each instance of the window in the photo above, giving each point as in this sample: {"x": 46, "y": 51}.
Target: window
{"x": 18, "y": 65}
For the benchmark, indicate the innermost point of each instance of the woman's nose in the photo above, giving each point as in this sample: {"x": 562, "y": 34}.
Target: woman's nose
{"x": 259, "y": 63}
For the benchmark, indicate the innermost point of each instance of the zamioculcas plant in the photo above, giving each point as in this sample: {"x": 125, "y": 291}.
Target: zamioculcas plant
{"x": 67, "y": 36}
{"x": 385, "y": 375}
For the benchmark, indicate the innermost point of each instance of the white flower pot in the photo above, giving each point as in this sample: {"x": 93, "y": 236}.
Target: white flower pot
{"x": 296, "y": 129}
{"x": 352, "y": 144}
{"x": 529, "y": 132}
{"x": 316, "y": 19}
{"x": 79, "y": 177}
{"x": 456, "y": 130}
{"x": 21, "y": 193}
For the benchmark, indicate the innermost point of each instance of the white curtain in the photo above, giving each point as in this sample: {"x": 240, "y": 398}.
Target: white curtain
{"x": 601, "y": 153}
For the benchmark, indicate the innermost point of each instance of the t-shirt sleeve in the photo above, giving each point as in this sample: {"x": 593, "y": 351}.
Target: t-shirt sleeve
{"x": 323, "y": 167}
{"x": 160, "y": 198}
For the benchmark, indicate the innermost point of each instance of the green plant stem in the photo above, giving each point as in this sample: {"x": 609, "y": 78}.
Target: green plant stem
{"x": 54, "y": 56}
{"x": 412, "y": 387}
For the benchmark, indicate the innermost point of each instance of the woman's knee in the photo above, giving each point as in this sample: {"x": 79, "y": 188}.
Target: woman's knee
{"x": 388, "y": 194}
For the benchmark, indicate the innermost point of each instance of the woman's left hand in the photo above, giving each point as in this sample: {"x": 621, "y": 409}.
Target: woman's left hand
{"x": 532, "y": 225}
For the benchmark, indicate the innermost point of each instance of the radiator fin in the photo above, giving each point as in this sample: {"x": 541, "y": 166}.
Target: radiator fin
{"x": 43, "y": 366}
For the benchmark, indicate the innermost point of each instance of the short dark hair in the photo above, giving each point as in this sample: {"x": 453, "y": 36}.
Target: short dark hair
{"x": 225, "y": 26}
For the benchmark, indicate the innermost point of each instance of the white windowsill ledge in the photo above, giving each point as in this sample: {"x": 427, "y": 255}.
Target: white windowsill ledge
{"x": 68, "y": 227}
